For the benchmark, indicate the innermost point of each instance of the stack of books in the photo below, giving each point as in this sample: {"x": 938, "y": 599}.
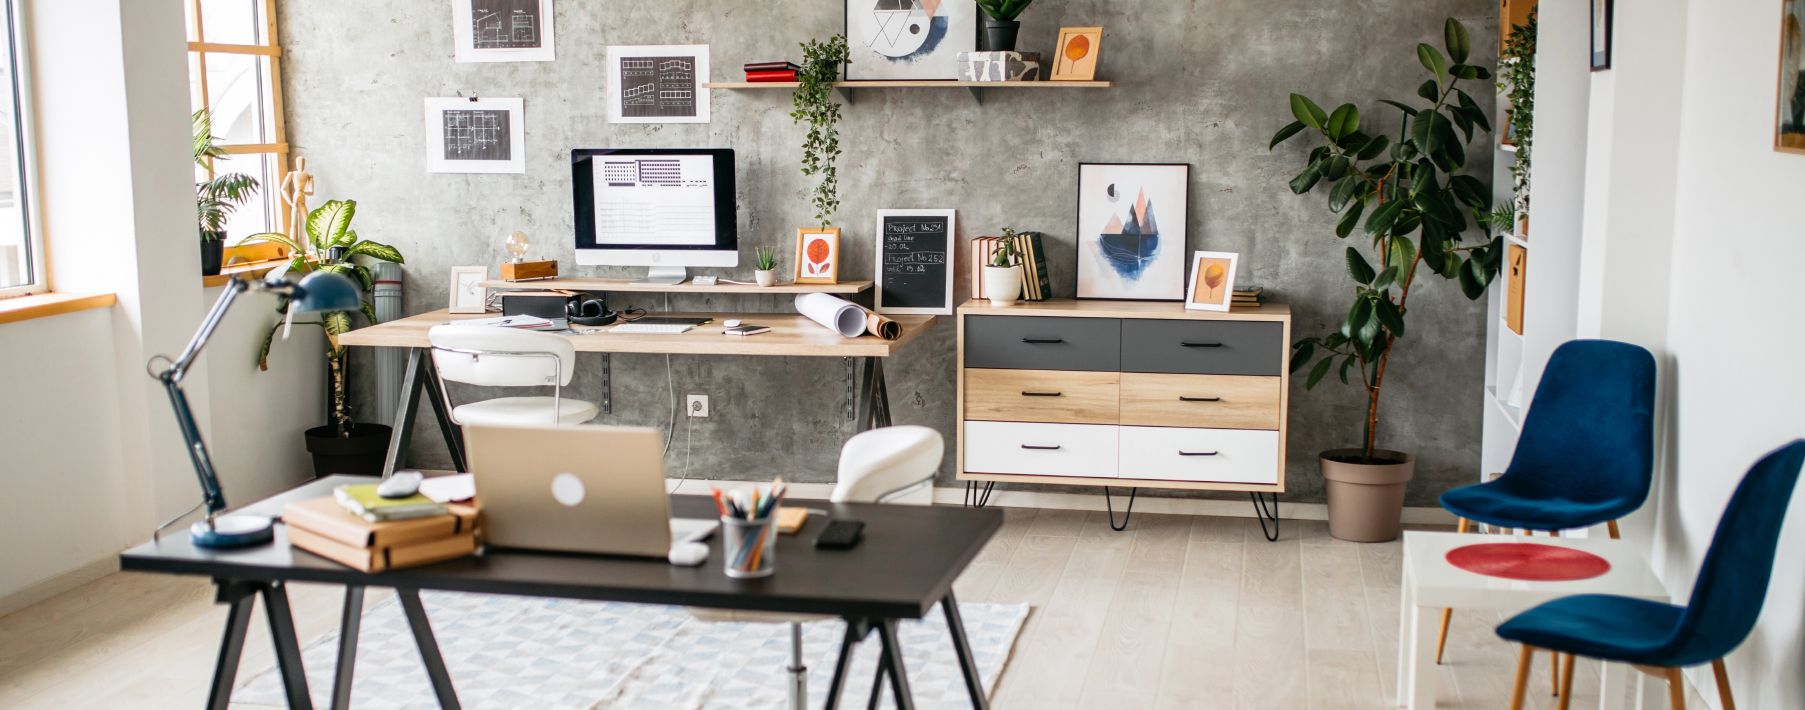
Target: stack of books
{"x": 771, "y": 71}
{"x": 1246, "y": 298}
{"x": 361, "y": 530}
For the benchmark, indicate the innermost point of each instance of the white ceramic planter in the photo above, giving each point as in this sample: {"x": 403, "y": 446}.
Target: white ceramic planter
{"x": 765, "y": 277}
{"x": 1003, "y": 284}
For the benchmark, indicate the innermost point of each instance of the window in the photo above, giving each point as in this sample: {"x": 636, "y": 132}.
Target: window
{"x": 21, "y": 249}
{"x": 235, "y": 73}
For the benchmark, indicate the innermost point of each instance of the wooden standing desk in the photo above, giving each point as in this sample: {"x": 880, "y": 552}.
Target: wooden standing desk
{"x": 792, "y": 335}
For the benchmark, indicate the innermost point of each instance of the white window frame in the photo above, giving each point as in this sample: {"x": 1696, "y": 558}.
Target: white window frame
{"x": 29, "y": 201}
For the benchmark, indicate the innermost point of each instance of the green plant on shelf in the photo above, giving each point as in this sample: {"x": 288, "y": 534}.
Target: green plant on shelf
{"x": 1517, "y": 72}
{"x": 1006, "y": 254}
{"x": 764, "y": 258}
{"x": 813, "y": 104}
{"x": 217, "y": 198}
{"x": 1004, "y": 10}
{"x": 1420, "y": 207}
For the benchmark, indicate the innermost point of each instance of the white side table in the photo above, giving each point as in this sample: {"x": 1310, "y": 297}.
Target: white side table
{"x": 1431, "y": 584}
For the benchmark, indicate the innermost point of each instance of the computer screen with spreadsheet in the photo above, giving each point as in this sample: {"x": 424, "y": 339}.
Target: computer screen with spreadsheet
{"x": 655, "y": 207}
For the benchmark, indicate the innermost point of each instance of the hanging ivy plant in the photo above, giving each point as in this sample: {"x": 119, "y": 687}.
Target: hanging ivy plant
{"x": 814, "y": 105}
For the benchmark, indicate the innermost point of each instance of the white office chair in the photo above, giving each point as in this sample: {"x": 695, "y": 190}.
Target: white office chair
{"x": 876, "y": 466}
{"x": 489, "y": 356}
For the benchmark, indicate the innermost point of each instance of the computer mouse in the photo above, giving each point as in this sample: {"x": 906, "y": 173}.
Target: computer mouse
{"x": 400, "y": 485}
{"x": 688, "y": 554}
{"x": 731, "y": 322}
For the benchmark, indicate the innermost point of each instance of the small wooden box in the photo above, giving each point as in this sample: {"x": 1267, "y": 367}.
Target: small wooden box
{"x": 529, "y": 270}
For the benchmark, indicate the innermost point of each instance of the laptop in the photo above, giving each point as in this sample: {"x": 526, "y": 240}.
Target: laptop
{"x": 587, "y": 489}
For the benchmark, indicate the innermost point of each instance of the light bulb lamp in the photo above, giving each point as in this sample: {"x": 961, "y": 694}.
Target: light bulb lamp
{"x": 317, "y": 292}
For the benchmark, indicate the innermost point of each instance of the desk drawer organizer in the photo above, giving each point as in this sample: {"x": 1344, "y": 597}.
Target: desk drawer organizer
{"x": 1131, "y": 394}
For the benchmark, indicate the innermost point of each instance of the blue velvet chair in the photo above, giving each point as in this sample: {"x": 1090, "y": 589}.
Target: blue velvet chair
{"x": 1726, "y": 599}
{"x": 1586, "y": 452}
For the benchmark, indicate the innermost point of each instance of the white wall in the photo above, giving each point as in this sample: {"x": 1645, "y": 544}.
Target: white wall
{"x": 258, "y": 416}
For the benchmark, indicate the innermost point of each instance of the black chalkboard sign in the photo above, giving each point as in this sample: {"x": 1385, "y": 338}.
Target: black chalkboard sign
{"x": 915, "y": 261}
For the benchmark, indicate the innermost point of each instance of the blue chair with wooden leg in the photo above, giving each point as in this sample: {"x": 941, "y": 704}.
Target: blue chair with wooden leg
{"x": 1726, "y": 599}
{"x": 1585, "y": 455}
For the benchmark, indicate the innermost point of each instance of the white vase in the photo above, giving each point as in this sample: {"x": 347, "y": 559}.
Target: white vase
{"x": 1003, "y": 284}
{"x": 765, "y": 277}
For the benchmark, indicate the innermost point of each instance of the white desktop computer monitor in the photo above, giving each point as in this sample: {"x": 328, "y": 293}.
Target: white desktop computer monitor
{"x": 666, "y": 209}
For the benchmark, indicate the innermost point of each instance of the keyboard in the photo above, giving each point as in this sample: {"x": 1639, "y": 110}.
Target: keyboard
{"x": 650, "y": 328}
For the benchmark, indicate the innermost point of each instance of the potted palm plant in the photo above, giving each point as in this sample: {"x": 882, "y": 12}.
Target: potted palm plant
{"x": 1418, "y": 205}
{"x": 1000, "y": 25}
{"x": 342, "y": 445}
{"x": 216, "y": 199}
{"x": 1003, "y": 275}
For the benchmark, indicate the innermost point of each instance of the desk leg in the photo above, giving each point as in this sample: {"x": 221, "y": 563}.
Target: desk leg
{"x": 242, "y": 598}
{"x": 1423, "y": 674}
{"x": 429, "y": 648}
{"x": 873, "y": 408}
{"x": 882, "y": 406}
{"x": 349, "y": 626}
{"x": 1406, "y": 604}
{"x": 288, "y": 646}
{"x": 955, "y": 624}
{"x": 894, "y": 666}
{"x": 420, "y": 374}
{"x": 448, "y": 429}
{"x": 854, "y": 632}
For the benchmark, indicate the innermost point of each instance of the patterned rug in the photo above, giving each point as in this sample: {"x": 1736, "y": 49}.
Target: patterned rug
{"x": 511, "y": 652}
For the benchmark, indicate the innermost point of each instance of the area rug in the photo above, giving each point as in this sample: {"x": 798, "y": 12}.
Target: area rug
{"x": 513, "y": 652}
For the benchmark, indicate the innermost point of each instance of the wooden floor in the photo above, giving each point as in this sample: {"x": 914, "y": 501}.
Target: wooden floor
{"x": 1176, "y": 612}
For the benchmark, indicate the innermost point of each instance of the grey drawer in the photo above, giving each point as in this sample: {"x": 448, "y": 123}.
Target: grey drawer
{"x": 1043, "y": 343}
{"x": 1203, "y": 347}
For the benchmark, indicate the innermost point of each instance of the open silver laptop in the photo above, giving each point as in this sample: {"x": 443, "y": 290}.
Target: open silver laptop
{"x": 596, "y": 489}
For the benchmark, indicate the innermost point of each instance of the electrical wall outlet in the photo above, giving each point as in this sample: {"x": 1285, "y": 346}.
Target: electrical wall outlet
{"x": 698, "y": 405}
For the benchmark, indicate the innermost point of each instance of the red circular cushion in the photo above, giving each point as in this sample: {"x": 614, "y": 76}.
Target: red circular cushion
{"x": 1528, "y": 561}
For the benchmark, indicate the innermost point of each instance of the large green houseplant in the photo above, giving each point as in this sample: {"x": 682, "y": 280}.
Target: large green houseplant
{"x": 216, "y": 198}
{"x": 343, "y": 445}
{"x": 1417, "y": 206}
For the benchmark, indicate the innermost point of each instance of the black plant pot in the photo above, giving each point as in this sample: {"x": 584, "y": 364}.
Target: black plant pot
{"x": 213, "y": 251}
{"x": 360, "y": 453}
{"x": 999, "y": 35}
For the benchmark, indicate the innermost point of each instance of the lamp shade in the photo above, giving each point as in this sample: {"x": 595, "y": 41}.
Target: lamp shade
{"x": 325, "y": 291}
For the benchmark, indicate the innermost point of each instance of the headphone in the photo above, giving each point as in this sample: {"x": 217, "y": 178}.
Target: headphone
{"x": 590, "y": 311}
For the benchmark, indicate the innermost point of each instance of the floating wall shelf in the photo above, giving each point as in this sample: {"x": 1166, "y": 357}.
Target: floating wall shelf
{"x": 846, "y": 88}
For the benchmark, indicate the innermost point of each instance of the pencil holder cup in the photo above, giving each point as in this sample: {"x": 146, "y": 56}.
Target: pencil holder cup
{"x": 751, "y": 547}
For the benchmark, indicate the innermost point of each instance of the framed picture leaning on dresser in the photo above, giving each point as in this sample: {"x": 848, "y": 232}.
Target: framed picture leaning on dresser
{"x": 1131, "y": 230}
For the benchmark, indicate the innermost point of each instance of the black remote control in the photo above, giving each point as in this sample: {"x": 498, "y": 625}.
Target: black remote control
{"x": 840, "y": 534}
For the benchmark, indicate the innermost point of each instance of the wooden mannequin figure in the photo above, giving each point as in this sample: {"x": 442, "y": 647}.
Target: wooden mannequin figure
{"x": 297, "y": 186}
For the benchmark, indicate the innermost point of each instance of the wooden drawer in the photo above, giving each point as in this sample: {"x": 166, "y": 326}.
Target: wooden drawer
{"x": 1204, "y": 455}
{"x": 1041, "y": 396}
{"x": 1041, "y": 449}
{"x": 1043, "y": 343}
{"x": 1215, "y": 401}
{"x": 1203, "y": 347}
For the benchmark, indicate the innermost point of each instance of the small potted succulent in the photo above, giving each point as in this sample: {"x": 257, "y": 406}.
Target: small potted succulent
{"x": 765, "y": 259}
{"x": 1003, "y": 275}
{"x": 1000, "y": 25}
{"x": 217, "y": 198}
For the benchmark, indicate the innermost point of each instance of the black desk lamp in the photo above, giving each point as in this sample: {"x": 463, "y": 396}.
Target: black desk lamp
{"x": 318, "y": 291}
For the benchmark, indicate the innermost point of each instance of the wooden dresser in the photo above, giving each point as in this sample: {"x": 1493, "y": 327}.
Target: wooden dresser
{"x": 1124, "y": 393}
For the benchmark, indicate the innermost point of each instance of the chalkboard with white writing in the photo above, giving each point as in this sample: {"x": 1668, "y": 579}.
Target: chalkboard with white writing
{"x": 915, "y": 261}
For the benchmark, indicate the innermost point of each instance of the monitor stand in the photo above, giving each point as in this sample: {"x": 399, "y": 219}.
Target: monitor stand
{"x": 666, "y": 275}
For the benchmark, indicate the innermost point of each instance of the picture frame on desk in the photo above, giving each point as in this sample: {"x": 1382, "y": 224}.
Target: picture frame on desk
{"x": 817, "y": 255}
{"x": 467, "y": 292}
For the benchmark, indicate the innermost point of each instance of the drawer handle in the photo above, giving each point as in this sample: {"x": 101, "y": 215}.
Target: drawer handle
{"x": 1182, "y": 452}
{"x": 1183, "y": 398}
{"x": 1190, "y": 344}
{"x": 1043, "y": 341}
{"x": 1032, "y": 447}
{"x": 1043, "y": 394}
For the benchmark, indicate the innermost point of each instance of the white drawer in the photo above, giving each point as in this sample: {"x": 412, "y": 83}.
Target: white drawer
{"x": 1040, "y": 449}
{"x": 1207, "y": 455}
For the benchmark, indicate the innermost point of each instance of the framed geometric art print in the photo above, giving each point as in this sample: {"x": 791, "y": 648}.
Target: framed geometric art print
{"x": 1131, "y": 230}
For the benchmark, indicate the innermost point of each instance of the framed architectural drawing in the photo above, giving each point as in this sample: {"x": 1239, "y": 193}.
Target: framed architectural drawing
{"x": 657, "y": 84}
{"x": 502, "y": 30}
{"x": 472, "y": 135}
{"x": 1131, "y": 230}
{"x": 909, "y": 39}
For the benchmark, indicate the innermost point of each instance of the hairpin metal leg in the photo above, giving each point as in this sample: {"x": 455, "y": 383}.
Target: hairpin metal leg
{"x": 1263, "y": 513}
{"x": 1109, "y": 505}
{"x": 975, "y": 499}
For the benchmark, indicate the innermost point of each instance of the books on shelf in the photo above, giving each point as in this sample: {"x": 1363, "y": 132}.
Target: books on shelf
{"x": 771, "y": 71}
{"x": 325, "y": 527}
{"x": 1246, "y": 297}
{"x": 771, "y": 66}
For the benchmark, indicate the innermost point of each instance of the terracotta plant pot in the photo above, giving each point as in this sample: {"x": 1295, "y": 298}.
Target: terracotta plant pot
{"x": 1003, "y": 284}
{"x": 1366, "y": 500}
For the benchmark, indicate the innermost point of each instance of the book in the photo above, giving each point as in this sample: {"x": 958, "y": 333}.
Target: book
{"x": 779, "y": 75}
{"x": 377, "y": 559}
{"x": 326, "y": 518}
{"x": 362, "y": 500}
{"x": 770, "y": 66}
{"x": 1035, "y": 284}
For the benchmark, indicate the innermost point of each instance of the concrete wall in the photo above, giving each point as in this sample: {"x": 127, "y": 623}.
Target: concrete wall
{"x": 1198, "y": 82}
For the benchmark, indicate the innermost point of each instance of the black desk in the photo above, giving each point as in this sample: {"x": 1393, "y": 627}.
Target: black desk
{"x": 907, "y": 562}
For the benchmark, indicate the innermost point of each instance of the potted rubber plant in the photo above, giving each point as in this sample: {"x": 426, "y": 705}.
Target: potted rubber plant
{"x": 215, "y": 199}
{"x": 1417, "y": 205}
{"x": 1000, "y": 25}
{"x": 765, "y": 261}
{"x": 1003, "y": 275}
{"x": 813, "y": 103}
{"x": 342, "y": 445}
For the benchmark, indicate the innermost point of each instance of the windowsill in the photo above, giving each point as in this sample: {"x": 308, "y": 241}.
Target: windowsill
{"x": 44, "y": 305}
{"x": 248, "y": 270}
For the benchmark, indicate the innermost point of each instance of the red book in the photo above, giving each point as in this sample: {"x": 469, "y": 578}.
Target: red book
{"x": 789, "y": 75}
